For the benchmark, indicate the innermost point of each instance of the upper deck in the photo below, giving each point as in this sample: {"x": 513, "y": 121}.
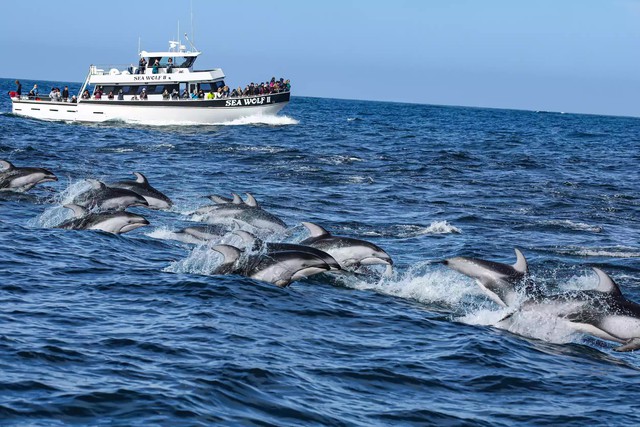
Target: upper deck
{"x": 172, "y": 65}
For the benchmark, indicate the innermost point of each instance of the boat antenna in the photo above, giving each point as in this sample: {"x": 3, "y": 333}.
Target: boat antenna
{"x": 138, "y": 45}
{"x": 192, "y": 46}
{"x": 192, "y": 33}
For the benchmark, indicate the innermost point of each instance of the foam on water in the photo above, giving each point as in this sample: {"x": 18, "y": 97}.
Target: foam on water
{"x": 55, "y": 215}
{"x": 572, "y": 225}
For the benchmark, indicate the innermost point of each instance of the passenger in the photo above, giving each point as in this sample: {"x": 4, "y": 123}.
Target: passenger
{"x": 165, "y": 94}
{"x": 210, "y": 95}
{"x": 18, "y": 88}
{"x": 33, "y": 93}
{"x": 154, "y": 69}
{"x": 142, "y": 66}
{"x": 170, "y": 65}
{"x": 73, "y": 99}
{"x": 110, "y": 96}
{"x": 194, "y": 94}
{"x": 200, "y": 94}
{"x": 143, "y": 94}
{"x": 219, "y": 94}
{"x": 97, "y": 94}
{"x": 239, "y": 91}
{"x": 287, "y": 85}
{"x": 65, "y": 94}
{"x": 52, "y": 94}
{"x": 85, "y": 94}
{"x": 185, "y": 94}
{"x": 234, "y": 93}
{"x": 175, "y": 94}
{"x": 120, "y": 95}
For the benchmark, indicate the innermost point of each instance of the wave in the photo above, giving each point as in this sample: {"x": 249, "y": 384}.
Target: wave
{"x": 607, "y": 252}
{"x": 577, "y": 226}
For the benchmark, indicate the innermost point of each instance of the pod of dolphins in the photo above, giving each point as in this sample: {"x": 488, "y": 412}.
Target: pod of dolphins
{"x": 604, "y": 312}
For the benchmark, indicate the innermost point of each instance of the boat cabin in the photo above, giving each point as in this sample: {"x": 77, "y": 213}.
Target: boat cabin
{"x": 173, "y": 71}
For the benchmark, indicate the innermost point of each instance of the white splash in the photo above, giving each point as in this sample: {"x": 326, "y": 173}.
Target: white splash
{"x": 419, "y": 283}
{"x": 440, "y": 227}
{"x": 201, "y": 260}
{"x": 57, "y": 214}
{"x": 258, "y": 119}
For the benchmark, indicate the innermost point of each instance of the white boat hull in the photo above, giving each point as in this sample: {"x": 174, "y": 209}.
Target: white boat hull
{"x": 206, "y": 112}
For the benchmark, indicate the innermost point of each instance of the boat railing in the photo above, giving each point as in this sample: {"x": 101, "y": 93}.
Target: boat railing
{"x": 112, "y": 69}
{"x": 124, "y": 69}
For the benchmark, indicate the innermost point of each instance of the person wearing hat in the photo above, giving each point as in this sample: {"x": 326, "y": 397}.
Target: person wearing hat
{"x": 143, "y": 94}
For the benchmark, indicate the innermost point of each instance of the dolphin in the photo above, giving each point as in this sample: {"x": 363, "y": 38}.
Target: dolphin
{"x": 154, "y": 198}
{"x": 236, "y": 200}
{"x": 279, "y": 268}
{"x": 106, "y": 198}
{"x": 255, "y": 243}
{"x": 20, "y": 179}
{"x": 499, "y": 281}
{"x": 220, "y": 200}
{"x": 248, "y": 212}
{"x": 350, "y": 253}
{"x": 604, "y": 312}
{"x": 205, "y": 233}
{"x": 116, "y": 222}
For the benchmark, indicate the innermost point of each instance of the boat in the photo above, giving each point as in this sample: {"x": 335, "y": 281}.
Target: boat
{"x": 143, "y": 94}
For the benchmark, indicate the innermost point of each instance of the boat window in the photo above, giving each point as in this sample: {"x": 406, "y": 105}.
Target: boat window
{"x": 213, "y": 86}
{"x": 185, "y": 62}
{"x": 137, "y": 89}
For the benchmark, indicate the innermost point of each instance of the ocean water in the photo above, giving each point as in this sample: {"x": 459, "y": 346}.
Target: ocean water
{"x": 128, "y": 330}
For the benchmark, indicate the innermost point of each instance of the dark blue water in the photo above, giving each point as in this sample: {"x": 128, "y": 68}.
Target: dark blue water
{"x": 100, "y": 329}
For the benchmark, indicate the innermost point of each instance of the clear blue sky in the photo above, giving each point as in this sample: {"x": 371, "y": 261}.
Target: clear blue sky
{"x": 557, "y": 55}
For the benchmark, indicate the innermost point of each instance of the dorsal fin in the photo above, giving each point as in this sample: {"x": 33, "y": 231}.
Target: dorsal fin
{"x": 141, "y": 179}
{"x": 78, "y": 211}
{"x": 251, "y": 201}
{"x": 230, "y": 253}
{"x": 606, "y": 283}
{"x": 521, "y": 263}
{"x": 6, "y": 165}
{"x": 248, "y": 239}
{"x": 237, "y": 200}
{"x": 315, "y": 230}
{"x": 96, "y": 185}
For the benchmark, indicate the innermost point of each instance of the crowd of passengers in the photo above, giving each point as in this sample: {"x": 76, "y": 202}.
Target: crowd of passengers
{"x": 273, "y": 86}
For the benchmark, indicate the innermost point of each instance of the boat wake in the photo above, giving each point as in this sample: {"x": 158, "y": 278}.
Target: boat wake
{"x": 257, "y": 119}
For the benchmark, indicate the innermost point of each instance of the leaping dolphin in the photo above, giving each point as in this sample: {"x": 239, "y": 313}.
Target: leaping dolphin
{"x": 350, "y": 253}
{"x": 500, "y": 282}
{"x": 106, "y": 198}
{"x": 256, "y": 243}
{"x": 248, "y": 212}
{"x": 21, "y": 179}
{"x": 117, "y": 222}
{"x": 154, "y": 198}
{"x": 278, "y": 268}
{"x": 604, "y": 313}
